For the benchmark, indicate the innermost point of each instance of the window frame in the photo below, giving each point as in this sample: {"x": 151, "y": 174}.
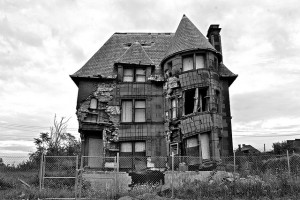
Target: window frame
{"x": 135, "y": 74}
{"x": 194, "y": 55}
{"x": 174, "y": 108}
{"x": 202, "y": 101}
{"x": 133, "y": 111}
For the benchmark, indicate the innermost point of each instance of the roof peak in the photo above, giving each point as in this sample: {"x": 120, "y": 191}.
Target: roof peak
{"x": 188, "y": 37}
{"x": 135, "y": 54}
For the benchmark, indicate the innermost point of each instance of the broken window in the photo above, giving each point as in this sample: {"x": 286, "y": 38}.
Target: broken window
{"x": 91, "y": 118}
{"x": 93, "y": 104}
{"x": 195, "y": 100}
{"x": 174, "y": 148}
{"x": 174, "y": 108}
{"x": 128, "y": 75}
{"x": 134, "y": 75}
{"x": 192, "y": 147}
{"x": 140, "y": 111}
{"x": 133, "y": 109}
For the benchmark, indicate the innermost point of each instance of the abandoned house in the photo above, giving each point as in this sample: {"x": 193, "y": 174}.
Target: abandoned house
{"x": 150, "y": 94}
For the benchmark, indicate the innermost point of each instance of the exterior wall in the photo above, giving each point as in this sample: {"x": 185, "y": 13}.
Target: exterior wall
{"x": 106, "y": 123}
{"x": 215, "y": 120}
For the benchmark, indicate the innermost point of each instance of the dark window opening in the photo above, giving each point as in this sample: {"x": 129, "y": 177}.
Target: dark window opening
{"x": 218, "y": 100}
{"x": 216, "y": 38}
{"x": 218, "y": 47}
{"x": 195, "y": 100}
{"x": 189, "y": 101}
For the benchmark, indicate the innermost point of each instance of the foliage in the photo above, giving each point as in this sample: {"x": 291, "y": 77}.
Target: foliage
{"x": 282, "y": 147}
{"x": 56, "y": 143}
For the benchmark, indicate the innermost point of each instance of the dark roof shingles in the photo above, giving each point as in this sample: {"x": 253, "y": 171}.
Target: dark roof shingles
{"x": 188, "y": 37}
{"x": 102, "y": 62}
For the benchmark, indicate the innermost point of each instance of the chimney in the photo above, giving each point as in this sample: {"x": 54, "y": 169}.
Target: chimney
{"x": 214, "y": 37}
{"x": 240, "y": 149}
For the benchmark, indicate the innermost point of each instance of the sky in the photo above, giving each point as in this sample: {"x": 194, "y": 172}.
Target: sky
{"x": 43, "y": 42}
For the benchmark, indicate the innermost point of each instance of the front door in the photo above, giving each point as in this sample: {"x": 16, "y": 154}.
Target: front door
{"x": 95, "y": 159}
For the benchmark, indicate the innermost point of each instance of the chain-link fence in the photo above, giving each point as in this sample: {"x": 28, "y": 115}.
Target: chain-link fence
{"x": 108, "y": 177}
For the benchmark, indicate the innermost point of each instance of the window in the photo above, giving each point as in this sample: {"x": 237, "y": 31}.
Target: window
{"x": 137, "y": 148}
{"x": 133, "y": 109}
{"x": 187, "y": 63}
{"x": 174, "y": 108}
{"x": 127, "y": 111}
{"x": 134, "y": 75}
{"x": 192, "y": 147}
{"x": 199, "y": 61}
{"x": 195, "y": 100}
{"x": 140, "y": 111}
{"x": 193, "y": 61}
{"x": 128, "y": 75}
{"x": 174, "y": 148}
{"x": 218, "y": 100}
{"x": 140, "y": 75}
{"x": 93, "y": 104}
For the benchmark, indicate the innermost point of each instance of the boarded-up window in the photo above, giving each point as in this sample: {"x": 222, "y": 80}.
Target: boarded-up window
{"x": 140, "y": 75}
{"x": 187, "y": 63}
{"x": 205, "y": 146}
{"x": 128, "y": 75}
{"x": 174, "y": 108}
{"x": 140, "y": 111}
{"x": 199, "y": 61}
{"x": 127, "y": 111}
{"x": 93, "y": 104}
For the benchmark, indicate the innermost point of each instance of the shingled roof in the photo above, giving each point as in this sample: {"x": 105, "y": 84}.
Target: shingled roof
{"x": 226, "y": 73}
{"x": 136, "y": 54}
{"x": 188, "y": 37}
{"x": 102, "y": 62}
{"x": 146, "y": 49}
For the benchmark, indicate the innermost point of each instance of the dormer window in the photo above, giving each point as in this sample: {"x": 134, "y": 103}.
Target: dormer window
{"x": 140, "y": 75}
{"x": 128, "y": 75}
{"x": 134, "y": 75}
{"x": 193, "y": 61}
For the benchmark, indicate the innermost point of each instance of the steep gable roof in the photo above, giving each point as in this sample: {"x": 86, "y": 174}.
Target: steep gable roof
{"x": 136, "y": 54}
{"x": 188, "y": 37}
{"x": 102, "y": 62}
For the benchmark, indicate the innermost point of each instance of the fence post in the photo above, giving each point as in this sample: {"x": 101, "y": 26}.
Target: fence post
{"x": 234, "y": 161}
{"x": 172, "y": 177}
{"x": 41, "y": 173}
{"x": 288, "y": 163}
{"x": 80, "y": 176}
{"x": 76, "y": 177}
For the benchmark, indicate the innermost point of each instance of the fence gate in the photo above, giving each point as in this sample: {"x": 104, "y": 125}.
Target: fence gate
{"x": 100, "y": 175}
{"x": 59, "y": 173}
